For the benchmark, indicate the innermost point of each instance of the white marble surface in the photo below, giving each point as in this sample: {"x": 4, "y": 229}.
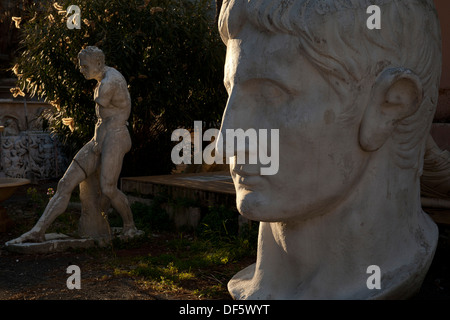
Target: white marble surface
{"x": 354, "y": 108}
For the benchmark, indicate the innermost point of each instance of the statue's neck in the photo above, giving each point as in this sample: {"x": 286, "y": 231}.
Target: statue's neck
{"x": 327, "y": 257}
{"x": 101, "y": 74}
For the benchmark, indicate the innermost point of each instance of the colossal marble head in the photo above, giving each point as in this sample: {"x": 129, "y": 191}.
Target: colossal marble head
{"x": 354, "y": 108}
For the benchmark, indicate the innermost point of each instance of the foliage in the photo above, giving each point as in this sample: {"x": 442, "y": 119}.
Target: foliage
{"x": 219, "y": 223}
{"x": 66, "y": 223}
{"x": 169, "y": 51}
{"x": 148, "y": 218}
{"x": 36, "y": 200}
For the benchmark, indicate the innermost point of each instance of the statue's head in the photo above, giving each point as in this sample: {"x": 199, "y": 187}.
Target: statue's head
{"x": 92, "y": 62}
{"x": 351, "y": 104}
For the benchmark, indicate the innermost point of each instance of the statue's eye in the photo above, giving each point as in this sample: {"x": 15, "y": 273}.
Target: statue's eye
{"x": 266, "y": 90}
{"x": 272, "y": 90}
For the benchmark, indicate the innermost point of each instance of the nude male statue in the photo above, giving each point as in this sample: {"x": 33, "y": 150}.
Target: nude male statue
{"x": 104, "y": 153}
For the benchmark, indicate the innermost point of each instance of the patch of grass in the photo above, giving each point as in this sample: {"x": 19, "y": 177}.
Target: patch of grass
{"x": 220, "y": 223}
{"x": 189, "y": 263}
{"x": 148, "y": 218}
{"x": 169, "y": 271}
{"x": 213, "y": 291}
{"x": 66, "y": 223}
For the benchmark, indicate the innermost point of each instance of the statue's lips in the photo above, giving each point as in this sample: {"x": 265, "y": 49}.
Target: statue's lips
{"x": 246, "y": 178}
{"x": 246, "y": 170}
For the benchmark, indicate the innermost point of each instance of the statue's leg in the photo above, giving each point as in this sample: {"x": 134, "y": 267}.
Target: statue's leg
{"x": 111, "y": 165}
{"x": 56, "y": 206}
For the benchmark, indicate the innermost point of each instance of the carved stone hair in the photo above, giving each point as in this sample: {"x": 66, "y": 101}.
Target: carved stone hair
{"x": 334, "y": 37}
{"x": 93, "y": 52}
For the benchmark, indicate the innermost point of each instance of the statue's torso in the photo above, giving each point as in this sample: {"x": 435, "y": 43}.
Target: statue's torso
{"x": 113, "y": 105}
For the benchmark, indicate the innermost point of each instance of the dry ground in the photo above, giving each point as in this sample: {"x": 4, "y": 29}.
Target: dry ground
{"x": 35, "y": 277}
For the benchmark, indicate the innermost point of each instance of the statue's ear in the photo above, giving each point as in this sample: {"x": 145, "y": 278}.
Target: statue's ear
{"x": 396, "y": 95}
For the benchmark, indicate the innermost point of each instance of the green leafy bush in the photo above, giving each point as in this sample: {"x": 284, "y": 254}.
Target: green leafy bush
{"x": 169, "y": 51}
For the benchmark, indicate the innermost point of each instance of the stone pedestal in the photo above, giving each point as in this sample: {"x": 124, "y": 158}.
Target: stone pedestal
{"x": 54, "y": 242}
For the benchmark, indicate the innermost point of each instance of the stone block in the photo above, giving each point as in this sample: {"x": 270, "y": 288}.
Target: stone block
{"x": 183, "y": 217}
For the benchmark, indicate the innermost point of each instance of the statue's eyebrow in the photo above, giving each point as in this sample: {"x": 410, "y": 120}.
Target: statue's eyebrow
{"x": 274, "y": 82}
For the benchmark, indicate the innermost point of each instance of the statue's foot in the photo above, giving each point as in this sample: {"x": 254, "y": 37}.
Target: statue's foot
{"x": 30, "y": 236}
{"x": 130, "y": 232}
